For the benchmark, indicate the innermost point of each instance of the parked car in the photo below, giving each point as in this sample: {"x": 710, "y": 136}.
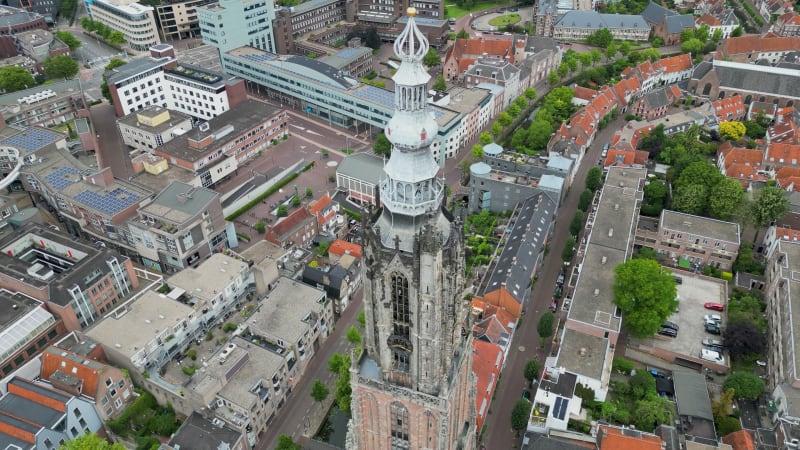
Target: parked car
{"x": 554, "y": 305}
{"x": 526, "y": 394}
{"x": 709, "y": 342}
{"x": 668, "y": 332}
{"x": 513, "y": 9}
{"x": 713, "y": 328}
{"x": 714, "y": 306}
{"x": 711, "y": 355}
{"x": 452, "y": 21}
{"x": 668, "y": 324}
{"x": 677, "y": 279}
{"x": 761, "y": 363}
{"x": 715, "y": 317}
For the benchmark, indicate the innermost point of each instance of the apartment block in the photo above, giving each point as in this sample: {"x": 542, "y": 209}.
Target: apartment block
{"x": 500, "y": 191}
{"x": 228, "y": 24}
{"x": 177, "y": 19}
{"x": 79, "y": 283}
{"x": 292, "y": 22}
{"x": 160, "y": 80}
{"x": 109, "y": 387}
{"x": 295, "y": 230}
{"x": 135, "y": 21}
{"x": 44, "y": 106}
{"x": 16, "y": 20}
{"x": 35, "y": 416}
{"x": 180, "y": 227}
{"x": 27, "y": 328}
{"x": 205, "y": 432}
{"x": 152, "y": 126}
{"x": 691, "y": 241}
{"x": 39, "y": 45}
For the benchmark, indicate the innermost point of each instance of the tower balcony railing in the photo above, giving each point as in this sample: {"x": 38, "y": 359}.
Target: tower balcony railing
{"x": 414, "y": 209}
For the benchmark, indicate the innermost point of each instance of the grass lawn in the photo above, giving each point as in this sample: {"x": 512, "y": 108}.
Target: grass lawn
{"x": 455, "y": 12}
{"x": 502, "y": 21}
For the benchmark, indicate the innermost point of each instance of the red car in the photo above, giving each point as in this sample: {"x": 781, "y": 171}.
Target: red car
{"x": 714, "y": 306}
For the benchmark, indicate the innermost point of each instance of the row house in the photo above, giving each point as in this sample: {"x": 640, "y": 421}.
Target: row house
{"x": 656, "y": 103}
{"x": 727, "y": 109}
{"x": 108, "y": 387}
{"x": 778, "y": 155}
{"x": 487, "y": 363}
{"x": 325, "y": 210}
{"x": 788, "y": 178}
{"x": 215, "y": 149}
{"x": 292, "y": 22}
{"x": 498, "y": 72}
{"x": 295, "y": 230}
{"x": 714, "y": 7}
{"x": 27, "y": 329}
{"x": 465, "y": 52}
{"x": 784, "y": 128}
{"x": 625, "y": 90}
{"x": 508, "y": 279}
{"x": 742, "y": 164}
{"x": 753, "y": 47}
{"x": 769, "y": 8}
{"x": 180, "y": 227}
{"x": 700, "y": 240}
{"x": 202, "y": 430}
{"x": 78, "y": 283}
{"x": 476, "y": 106}
{"x": 36, "y": 416}
{"x": 665, "y": 71}
{"x": 492, "y": 324}
{"x": 787, "y": 24}
{"x": 725, "y": 21}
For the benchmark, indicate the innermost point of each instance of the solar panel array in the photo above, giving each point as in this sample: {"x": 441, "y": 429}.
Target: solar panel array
{"x": 348, "y": 52}
{"x": 264, "y": 57}
{"x": 62, "y": 177}
{"x": 109, "y": 202}
{"x": 32, "y": 139}
{"x": 560, "y": 408}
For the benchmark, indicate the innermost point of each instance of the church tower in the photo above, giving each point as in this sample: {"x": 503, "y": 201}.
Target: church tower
{"x": 413, "y": 385}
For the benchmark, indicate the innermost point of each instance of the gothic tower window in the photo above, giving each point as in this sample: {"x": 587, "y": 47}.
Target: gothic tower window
{"x": 399, "y": 341}
{"x": 399, "y": 418}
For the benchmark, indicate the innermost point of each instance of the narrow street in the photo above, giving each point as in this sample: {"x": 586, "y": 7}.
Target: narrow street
{"x": 299, "y": 408}
{"x": 497, "y": 432}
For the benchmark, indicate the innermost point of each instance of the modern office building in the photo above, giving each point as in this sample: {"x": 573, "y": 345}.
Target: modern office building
{"x": 152, "y": 126}
{"x": 228, "y": 24}
{"x": 13, "y": 21}
{"x": 415, "y": 371}
{"x": 27, "y": 329}
{"x": 45, "y": 106}
{"x": 177, "y": 19}
{"x": 135, "y": 21}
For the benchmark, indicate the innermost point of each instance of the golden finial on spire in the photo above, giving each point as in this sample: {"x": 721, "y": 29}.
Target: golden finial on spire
{"x": 411, "y": 12}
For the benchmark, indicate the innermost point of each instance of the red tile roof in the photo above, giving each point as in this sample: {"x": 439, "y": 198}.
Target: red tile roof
{"x": 790, "y": 17}
{"x": 787, "y": 234}
{"x": 289, "y": 223}
{"x": 755, "y": 43}
{"x": 487, "y": 360}
{"x": 675, "y": 63}
{"x": 731, "y": 108}
{"x": 467, "y": 51}
{"x": 583, "y": 93}
{"x": 787, "y": 176}
{"x": 707, "y": 19}
{"x": 740, "y": 440}
{"x": 619, "y": 157}
{"x": 739, "y": 155}
{"x": 611, "y": 438}
{"x": 340, "y": 247}
{"x": 779, "y": 153}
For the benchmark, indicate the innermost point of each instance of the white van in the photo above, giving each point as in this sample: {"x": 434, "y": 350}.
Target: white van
{"x": 712, "y": 355}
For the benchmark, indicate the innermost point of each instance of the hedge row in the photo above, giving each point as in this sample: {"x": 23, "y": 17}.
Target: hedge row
{"x": 268, "y": 192}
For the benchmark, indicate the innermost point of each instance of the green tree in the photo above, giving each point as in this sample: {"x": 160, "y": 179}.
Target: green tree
{"x": 585, "y": 59}
{"x": 717, "y": 36}
{"x": 522, "y": 102}
{"x": 585, "y": 200}
{"x": 625, "y": 48}
{"x": 646, "y": 295}
{"x": 724, "y": 404}
{"x": 319, "y": 392}
{"x": 260, "y": 227}
{"x": 569, "y": 249}
{"x": 532, "y": 369}
{"x": 693, "y": 46}
{"x": 701, "y": 172}
{"x": 600, "y": 38}
{"x": 440, "y": 84}
{"x": 732, "y": 130}
{"x": 738, "y": 31}
{"x": 520, "y": 415}
{"x": 646, "y": 253}
{"x": 15, "y": 78}
{"x": 353, "y": 335}
{"x": 530, "y": 93}
{"x": 282, "y": 211}
{"x": 382, "y": 146}
{"x": 90, "y": 442}
{"x": 343, "y": 391}
{"x": 432, "y": 58}
{"x": 597, "y": 56}
{"x": 462, "y": 34}
{"x": 687, "y": 34}
{"x": 727, "y": 425}
{"x": 746, "y": 261}
{"x": 651, "y": 412}
{"x": 113, "y": 63}
{"x": 60, "y": 66}
{"x": 497, "y": 128}
{"x": 553, "y": 78}
{"x": 545, "y": 325}
{"x": 745, "y": 385}
{"x": 690, "y": 199}
{"x": 504, "y": 119}
{"x": 68, "y": 38}
{"x": 285, "y": 442}
{"x": 593, "y": 178}
{"x": 743, "y": 340}
{"x": 362, "y": 318}
{"x": 577, "y": 223}
{"x": 477, "y": 151}
{"x": 611, "y": 50}
{"x": 485, "y": 138}
{"x": 538, "y": 135}
{"x": 338, "y": 363}
{"x": 651, "y": 54}
{"x": 725, "y": 199}
{"x": 769, "y": 203}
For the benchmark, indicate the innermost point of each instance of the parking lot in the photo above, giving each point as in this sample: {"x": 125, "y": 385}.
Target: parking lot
{"x": 694, "y": 291}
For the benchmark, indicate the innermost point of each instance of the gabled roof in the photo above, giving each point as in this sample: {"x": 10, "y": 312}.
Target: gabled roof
{"x": 487, "y": 360}
{"x": 289, "y": 224}
{"x": 340, "y": 247}
{"x": 782, "y": 153}
{"x": 615, "y": 438}
{"x": 656, "y": 99}
{"x": 677, "y": 63}
{"x": 491, "y": 330}
{"x": 755, "y": 43}
{"x": 655, "y": 13}
{"x": 626, "y": 88}
{"x": 729, "y": 108}
{"x": 583, "y": 93}
{"x": 787, "y": 234}
{"x": 707, "y": 19}
{"x": 739, "y": 155}
{"x": 676, "y": 24}
{"x": 787, "y": 176}
{"x": 740, "y": 440}
{"x": 618, "y": 157}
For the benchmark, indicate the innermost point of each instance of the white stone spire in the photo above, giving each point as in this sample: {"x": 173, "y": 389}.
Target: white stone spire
{"x": 411, "y": 188}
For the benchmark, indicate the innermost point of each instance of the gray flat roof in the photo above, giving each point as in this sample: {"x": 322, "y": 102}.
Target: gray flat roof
{"x": 465, "y": 100}
{"x": 691, "y": 395}
{"x": 133, "y": 68}
{"x": 179, "y": 202}
{"x": 583, "y": 354}
{"x": 363, "y": 166}
{"x": 787, "y": 272}
{"x": 14, "y": 307}
{"x": 10, "y": 16}
{"x": 261, "y": 367}
{"x": 210, "y": 277}
{"x": 700, "y": 226}
{"x": 282, "y": 314}
{"x": 607, "y": 246}
{"x": 199, "y": 433}
{"x": 60, "y": 88}
{"x": 145, "y": 318}
{"x": 206, "y": 56}
{"x": 242, "y": 118}
{"x": 195, "y": 74}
